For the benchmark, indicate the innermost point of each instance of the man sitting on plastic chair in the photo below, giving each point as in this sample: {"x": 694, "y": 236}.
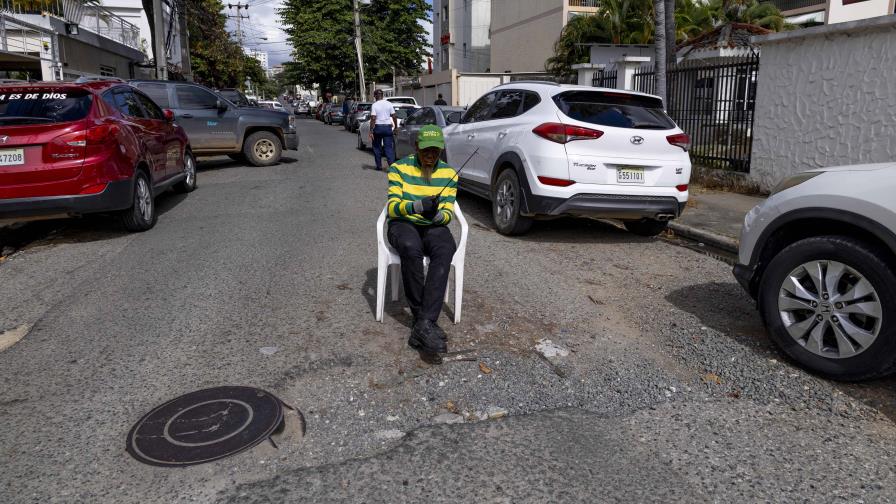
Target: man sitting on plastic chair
{"x": 422, "y": 190}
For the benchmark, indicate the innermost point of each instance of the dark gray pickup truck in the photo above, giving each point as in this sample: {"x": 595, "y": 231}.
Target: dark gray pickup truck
{"x": 217, "y": 126}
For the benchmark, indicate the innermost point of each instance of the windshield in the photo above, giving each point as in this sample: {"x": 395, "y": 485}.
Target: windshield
{"x": 402, "y": 113}
{"x": 363, "y": 107}
{"x": 409, "y": 101}
{"x": 619, "y": 110}
{"x": 36, "y": 106}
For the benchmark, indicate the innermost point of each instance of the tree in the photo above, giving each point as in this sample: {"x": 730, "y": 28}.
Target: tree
{"x": 217, "y": 60}
{"x": 322, "y": 32}
{"x": 659, "y": 35}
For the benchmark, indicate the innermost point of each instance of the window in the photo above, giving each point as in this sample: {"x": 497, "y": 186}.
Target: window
{"x": 619, "y": 110}
{"x": 465, "y": 49}
{"x": 479, "y": 111}
{"x": 107, "y": 71}
{"x": 125, "y": 102}
{"x": 193, "y": 97}
{"x": 413, "y": 118}
{"x": 65, "y": 105}
{"x": 427, "y": 116}
{"x": 531, "y": 100}
{"x": 158, "y": 93}
{"x": 152, "y": 110}
{"x": 508, "y": 104}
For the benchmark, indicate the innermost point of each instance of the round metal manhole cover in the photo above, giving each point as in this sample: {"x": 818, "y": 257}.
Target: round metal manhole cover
{"x": 205, "y": 425}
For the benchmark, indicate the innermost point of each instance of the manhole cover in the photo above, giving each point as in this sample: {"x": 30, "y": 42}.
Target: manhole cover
{"x": 205, "y": 425}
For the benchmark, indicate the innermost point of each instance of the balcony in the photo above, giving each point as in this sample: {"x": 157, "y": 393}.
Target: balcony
{"x": 90, "y": 17}
{"x": 792, "y": 5}
{"x": 591, "y": 4}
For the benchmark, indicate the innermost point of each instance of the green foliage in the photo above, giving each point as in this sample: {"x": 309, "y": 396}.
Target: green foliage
{"x": 322, "y": 35}
{"x": 631, "y": 22}
{"x": 216, "y": 59}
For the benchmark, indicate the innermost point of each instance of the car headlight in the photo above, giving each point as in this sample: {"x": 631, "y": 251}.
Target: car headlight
{"x": 795, "y": 181}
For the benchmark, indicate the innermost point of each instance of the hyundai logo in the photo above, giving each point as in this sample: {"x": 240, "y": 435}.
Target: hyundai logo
{"x": 3, "y": 138}
{"x": 637, "y": 140}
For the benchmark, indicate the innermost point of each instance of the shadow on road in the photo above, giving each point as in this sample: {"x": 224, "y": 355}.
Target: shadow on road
{"x": 222, "y": 163}
{"x": 726, "y": 308}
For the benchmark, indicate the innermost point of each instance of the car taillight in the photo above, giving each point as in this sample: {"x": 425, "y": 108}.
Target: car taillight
{"x": 551, "y": 181}
{"x": 75, "y": 145}
{"x": 680, "y": 140}
{"x": 564, "y": 133}
{"x": 682, "y": 187}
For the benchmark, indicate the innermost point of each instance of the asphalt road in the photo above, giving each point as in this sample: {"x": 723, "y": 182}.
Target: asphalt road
{"x": 670, "y": 390}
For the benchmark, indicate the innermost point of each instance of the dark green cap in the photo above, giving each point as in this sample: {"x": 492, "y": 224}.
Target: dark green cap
{"x": 430, "y": 136}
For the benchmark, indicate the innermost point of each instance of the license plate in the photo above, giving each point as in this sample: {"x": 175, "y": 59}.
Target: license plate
{"x": 9, "y": 157}
{"x": 629, "y": 175}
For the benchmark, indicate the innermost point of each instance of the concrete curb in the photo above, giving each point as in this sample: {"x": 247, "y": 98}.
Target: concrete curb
{"x": 723, "y": 242}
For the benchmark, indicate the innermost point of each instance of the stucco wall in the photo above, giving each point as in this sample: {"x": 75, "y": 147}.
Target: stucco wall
{"x": 523, "y": 33}
{"x": 825, "y": 96}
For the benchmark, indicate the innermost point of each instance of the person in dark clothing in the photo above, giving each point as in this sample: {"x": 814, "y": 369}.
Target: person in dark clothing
{"x": 422, "y": 191}
{"x": 440, "y": 100}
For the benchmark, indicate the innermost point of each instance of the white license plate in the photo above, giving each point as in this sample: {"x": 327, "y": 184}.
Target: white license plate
{"x": 629, "y": 175}
{"x": 10, "y": 157}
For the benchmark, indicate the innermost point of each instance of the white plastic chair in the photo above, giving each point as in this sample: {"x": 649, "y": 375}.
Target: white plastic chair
{"x": 389, "y": 262}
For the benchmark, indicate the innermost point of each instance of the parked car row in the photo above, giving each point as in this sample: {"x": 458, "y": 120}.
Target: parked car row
{"x": 110, "y": 146}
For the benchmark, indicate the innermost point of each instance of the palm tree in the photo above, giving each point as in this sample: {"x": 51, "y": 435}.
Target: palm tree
{"x": 659, "y": 40}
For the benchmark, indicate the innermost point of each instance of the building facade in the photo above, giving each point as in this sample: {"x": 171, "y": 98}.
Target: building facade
{"x": 523, "y": 32}
{"x": 261, "y": 56}
{"x": 460, "y": 31}
{"x": 817, "y": 12}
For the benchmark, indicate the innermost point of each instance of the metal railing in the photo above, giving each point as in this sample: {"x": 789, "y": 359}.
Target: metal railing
{"x": 584, "y": 3}
{"x": 605, "y": 79}
{"x": 714, "y": 104}
{"x": 87, "y": 14}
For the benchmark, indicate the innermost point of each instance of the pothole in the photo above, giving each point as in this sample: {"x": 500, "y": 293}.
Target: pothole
{"x": 211, "y": 424}
{"x": 13, "y": 336}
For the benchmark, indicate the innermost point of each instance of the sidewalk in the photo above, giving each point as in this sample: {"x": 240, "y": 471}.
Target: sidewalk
{"x": 714, "y": 217}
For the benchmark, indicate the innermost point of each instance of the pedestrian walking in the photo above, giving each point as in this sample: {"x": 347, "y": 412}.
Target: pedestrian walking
{"x": 382, "y": 129}
{"x": 422, "y": 191}
{"x": 440, "y": 100}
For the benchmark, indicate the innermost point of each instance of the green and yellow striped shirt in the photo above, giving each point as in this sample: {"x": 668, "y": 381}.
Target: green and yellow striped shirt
{"x": 407, "y": 185}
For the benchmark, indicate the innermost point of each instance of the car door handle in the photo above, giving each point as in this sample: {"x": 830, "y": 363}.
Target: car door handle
{"x": 187, "y": 116}
{"x": 502, "y": 134}
{"x": 471, "y": 136}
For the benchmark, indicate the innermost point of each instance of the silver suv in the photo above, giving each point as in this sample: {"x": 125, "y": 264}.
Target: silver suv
{"x": 819, "y": 256}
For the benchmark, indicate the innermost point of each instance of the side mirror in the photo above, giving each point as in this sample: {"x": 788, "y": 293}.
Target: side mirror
{"x": 220, "y": 105}
{"x": 169, "y": 115}
{"x": 453, "y": 118}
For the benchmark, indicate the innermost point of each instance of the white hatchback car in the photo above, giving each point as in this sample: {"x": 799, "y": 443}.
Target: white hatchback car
{"x": 819, "y": 256}
{"x": 547, "y": 150}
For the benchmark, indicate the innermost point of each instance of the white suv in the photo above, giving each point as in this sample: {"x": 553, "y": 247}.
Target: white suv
{"x": 819, "y": 256}
{"x": 547, "y": 150}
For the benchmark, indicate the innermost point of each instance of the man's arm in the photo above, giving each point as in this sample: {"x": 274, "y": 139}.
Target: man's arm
{"x": 372, "y": 122}
{"x": 394, "y": 122}
{"x": 447, "y": 177}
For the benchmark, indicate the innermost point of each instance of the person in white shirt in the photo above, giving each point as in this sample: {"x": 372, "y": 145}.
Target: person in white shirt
{"x": 382, "y": 129}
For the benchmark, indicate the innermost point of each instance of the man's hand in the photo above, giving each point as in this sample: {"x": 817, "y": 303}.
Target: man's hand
{"x": 427, "y": 207}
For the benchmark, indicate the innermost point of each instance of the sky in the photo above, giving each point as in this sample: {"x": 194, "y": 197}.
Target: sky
{"x": 265, "y": 22}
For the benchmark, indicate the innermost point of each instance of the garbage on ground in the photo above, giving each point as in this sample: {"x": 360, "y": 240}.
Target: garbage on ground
{"x": 549, "y": 349}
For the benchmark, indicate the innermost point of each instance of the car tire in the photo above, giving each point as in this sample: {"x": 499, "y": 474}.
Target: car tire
{"x": 864, "y": 356}
{"x": 262, "y": 148}
{"x": 506, "y": 204}
{"x": 361, "y": 145}
{"x": 141, "y": 216}
{"x": 646, "y": 227}
{"x": 188, "y": 184}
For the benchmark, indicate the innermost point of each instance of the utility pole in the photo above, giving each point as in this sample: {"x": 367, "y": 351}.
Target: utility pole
{"x": 358, "y": 50}
{"x": 159, "y": 52}
{"x": 239, "y": 25}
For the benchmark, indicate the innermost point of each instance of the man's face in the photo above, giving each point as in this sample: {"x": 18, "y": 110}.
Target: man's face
{"x": 429, "y": 156}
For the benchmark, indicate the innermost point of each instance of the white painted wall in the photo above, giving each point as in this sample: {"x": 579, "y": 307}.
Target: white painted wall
{"x": 839, "y": 13}
{"x": 825, "y": 97}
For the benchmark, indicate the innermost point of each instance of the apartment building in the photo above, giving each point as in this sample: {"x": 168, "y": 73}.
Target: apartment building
{"x": 461, "y": 35}
{"x": 816, "y": 12}
{"x": 524, "y": 31}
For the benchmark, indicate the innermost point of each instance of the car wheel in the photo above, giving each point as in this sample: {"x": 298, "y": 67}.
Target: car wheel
{"x": 188, "y": 184}
{"x": 646, "y": 227}
{"x": 506, "y": 201}
{"x": 823, "y": 300}
{"x": 142, "y": 214}
{"x": 262, "y": 148}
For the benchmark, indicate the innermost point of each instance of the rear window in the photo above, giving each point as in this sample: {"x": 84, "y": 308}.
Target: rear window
{"x": 409, "y": 101}
{"x": 617, "y": 110}
{"x": 36, "y": 106}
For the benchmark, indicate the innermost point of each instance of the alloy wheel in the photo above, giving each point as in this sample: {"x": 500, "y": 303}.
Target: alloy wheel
{"x": 830, "y": 309}
{"x": 505, "y": 200}
{"x": 264, "y": 149}
{"x": 189, "y": 170}
{"x": 144, "y": 199}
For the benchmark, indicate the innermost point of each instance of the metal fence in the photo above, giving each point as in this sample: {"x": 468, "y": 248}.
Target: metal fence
{"x": 89, "y": 15}
{"x": 605, "y": 79}
{"x": 713, "y": 102}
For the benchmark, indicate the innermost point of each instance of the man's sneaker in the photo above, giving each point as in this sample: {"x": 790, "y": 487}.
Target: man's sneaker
{"x": 425, "y": 339}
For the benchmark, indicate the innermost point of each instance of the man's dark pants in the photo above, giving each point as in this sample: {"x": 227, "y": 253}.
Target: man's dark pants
{"x": 383, "y": 141}
{"x": 412, "y": 242}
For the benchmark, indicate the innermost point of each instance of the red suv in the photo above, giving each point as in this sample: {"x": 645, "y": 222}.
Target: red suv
{"x": 85, "y": 147}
